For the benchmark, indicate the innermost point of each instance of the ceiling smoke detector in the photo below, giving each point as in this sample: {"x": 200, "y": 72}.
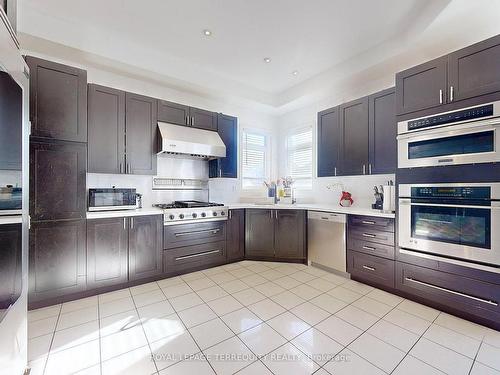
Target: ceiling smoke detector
{"x": 207, "y": 32}
{"x": 267, "y": 60}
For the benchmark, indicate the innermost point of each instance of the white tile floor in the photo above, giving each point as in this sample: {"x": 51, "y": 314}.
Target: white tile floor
{"x": 256, "y": 318}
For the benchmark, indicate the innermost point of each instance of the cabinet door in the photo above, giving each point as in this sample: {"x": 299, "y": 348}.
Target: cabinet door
{"x": 57, "y": 264}
{"x": 382, "y": 132}
{"x": 107, "y": 252}
{"x": 236, "y": 235}
{"x": 203, "y": 119}
{"x": 11, "y": 123}
{"x": 58, "y": 101}
{"x": 106, "y": 130}
{"x": 328, "y": 142}
{"x": 474, "y": 71}
{"x": 57, "y": 180}
{"x": 10, "y": 264}
{"x": 173, "y": 113}
{"x": 145, "y": 246}
{"x": 228, "y": 130}
{"x": 354, "y": 136}
{"x": 259, "y": 233}
{"x": 421, "y": 87}
{"x": 290, "y": 234}
{"x": 140, "y": 127}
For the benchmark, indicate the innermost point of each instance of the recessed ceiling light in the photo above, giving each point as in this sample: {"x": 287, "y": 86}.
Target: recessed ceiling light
{"x": 267, "y": 60}
{"x": 295, "y": 72}
{"x": 207, "y": 32}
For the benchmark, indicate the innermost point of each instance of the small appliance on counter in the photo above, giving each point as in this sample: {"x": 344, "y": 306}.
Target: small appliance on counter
{"x": 11, "y": 200}
{"x": 111, "y": 199}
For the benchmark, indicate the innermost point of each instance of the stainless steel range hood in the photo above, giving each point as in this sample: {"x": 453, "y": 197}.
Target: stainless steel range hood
{"x": 190, "y": 142}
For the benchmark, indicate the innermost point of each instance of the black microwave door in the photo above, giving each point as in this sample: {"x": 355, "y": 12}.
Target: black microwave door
{"x": 454, "y": 225}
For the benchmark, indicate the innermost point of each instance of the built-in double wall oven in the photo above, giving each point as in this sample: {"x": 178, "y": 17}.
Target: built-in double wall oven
{"x": 460, "y": 221}
{"x": 468, "y": 136}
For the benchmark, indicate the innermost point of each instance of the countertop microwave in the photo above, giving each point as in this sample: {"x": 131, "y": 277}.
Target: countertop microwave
{"x": 110, "y": 199}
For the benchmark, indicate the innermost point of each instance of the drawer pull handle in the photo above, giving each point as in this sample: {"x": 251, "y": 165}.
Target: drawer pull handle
{"x": 369, "y": 248}
{"x": 197, "y": 255}
{"x": 369, "y": 235}
{"x": 493, "y": 303}
{"x": 369, "y": 222}
{"x": 369, "y": 268}
{"x": 213, "y": 231}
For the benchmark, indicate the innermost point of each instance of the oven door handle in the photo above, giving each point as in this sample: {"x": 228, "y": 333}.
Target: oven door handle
{"x": 407, "y": 202}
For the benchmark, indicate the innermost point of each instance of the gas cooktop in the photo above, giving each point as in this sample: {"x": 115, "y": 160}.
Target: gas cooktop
{"x": 184, "y": 212}
{"x": 187, "y": 204}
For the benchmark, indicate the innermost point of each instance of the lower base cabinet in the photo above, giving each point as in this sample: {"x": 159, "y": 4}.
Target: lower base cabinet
{"x": 371, "y": 269}
{"x": 235, "y": 235}
{"x": 57, "y": 259}
{"x": 10, "y": 264}
{"x": 145, "y": 247}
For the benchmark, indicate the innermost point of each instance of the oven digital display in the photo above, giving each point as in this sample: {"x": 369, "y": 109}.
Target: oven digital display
{"x": 452, "y": 192}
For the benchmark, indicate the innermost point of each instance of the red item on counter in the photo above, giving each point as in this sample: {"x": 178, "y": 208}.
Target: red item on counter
{"x": 346, "y": 199}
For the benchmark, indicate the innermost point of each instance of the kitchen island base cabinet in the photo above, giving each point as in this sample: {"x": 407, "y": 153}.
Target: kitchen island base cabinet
{"x": 57, "y": 259}
{"x": 145, "y": 246}
{"x": 275, "y": 234}
{"x": 236, "y": 235}
{"x": 107, "y": 252}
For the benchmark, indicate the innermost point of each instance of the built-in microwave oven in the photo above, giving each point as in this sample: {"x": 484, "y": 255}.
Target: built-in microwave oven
{"x": 460, "y": 221}
{"x": 467, "y": 136}
{"x": 109, "y": 199}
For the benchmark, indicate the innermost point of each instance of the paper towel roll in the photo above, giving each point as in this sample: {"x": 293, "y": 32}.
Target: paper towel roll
{"x": 387, "y": 198}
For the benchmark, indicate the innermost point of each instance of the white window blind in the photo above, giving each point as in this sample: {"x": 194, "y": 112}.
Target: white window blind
{"x": 300, "y": 157}
{"x": 255, "y": 159}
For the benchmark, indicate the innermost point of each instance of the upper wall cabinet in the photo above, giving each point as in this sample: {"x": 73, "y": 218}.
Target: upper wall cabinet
{"x": 106, "y": 129}
{"x": 328, "y": 142}
{"x": 354, "y": 137}
{"x": 11, "y": 123}
{"x": 464, "y": 74}
{"x": 140, "y": 127}
{"x": 58, "y": 101}
{"x": 382, "y": 132}
{"x": 179, "y": 114}
{"x": 226, "y": 167}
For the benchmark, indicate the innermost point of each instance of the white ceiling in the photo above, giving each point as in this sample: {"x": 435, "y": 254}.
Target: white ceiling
{"x": 165, "y": 37}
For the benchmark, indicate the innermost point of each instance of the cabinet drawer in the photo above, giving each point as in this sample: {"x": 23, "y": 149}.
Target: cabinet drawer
{"x": 370, "y": 269}
{"x": 371, "y": 235}
{"x": 197, "y": 256}
{"x": 193, "y": 234}
{"x": 378, "y": 223}
{"x": 371, "y": 248}
{"x": 459, "y": 292}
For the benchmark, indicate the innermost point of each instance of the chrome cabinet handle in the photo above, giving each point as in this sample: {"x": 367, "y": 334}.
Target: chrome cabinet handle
{"x": 230, "y": 214}
{"x": 368, "y": 268}
{"x": 440, "y": 96}
{"x": 451, "y": 291}
{"x": 369, "y": 235}
{"x": 369, "y": 248}
{"x": 187, "y": 120}
{"x": 368, "y": 222}
{"x": 335, "y": 171}
{"x": 364, "y": 169}
{"x": 213, "y": 231}
{"x": 451, "y": 93}
{"x": 370, "y": 168}
{"x": 124, "y": 223}
{"x": 121, "y": 168}
{"x": 271, "y": 213}
{"x": 198, "y": 255}
{"x": 131, "y": 223}
{"x": 192, "y": 120}
{"x": 276, "y": 214}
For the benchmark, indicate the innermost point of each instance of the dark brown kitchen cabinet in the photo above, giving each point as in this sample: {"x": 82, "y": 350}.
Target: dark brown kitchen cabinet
{"x": 382, "y": 125}
{"x": 474, "y": 70}
{"x": 10, "y": 264}
{"x": 107, "y": 252}
{"x": 290, "y": 234}
{"x": 328, "y": 142}
{"x": 227, "y": 127}
{"x": 354, "y": 137}
{"x": 235, "y": 235}
{"x": 57, "y": 180}
{"x": 145, "y": 246}
{"x": 58, "y": 100}
{"x": 278, "y": 234}
{"x": 421, "y": 87}
{"x": 11, "y": 123}
{"x": 173, "y": 113}
{"x": 57, "y": 259}
{"x": 203, "y": 119}
{"x": 259, "y": 233}
{"x": 140, "y": 128}
{"x": 106, "y": 130}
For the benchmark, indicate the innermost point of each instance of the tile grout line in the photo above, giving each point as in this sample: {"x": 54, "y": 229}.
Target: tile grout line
{"x": 51, "y": 341}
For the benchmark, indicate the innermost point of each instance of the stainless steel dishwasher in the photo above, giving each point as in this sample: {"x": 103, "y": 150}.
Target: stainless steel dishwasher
{"x": 326, "y": 233}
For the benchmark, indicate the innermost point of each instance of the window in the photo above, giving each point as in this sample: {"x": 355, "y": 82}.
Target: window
{"x": 255, "y": 159}
{"x": 300, "y": 157}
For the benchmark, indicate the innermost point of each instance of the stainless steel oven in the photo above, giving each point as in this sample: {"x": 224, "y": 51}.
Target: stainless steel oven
{"x": 112, "y": 199}
{"x": 467, "y": 136}
{"x": 460, "y": 221}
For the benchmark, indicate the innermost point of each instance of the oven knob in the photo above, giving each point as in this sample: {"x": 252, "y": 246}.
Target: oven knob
{"x": 181, "y": 216}
{"x": 171, "y": 217}
{"x": 203, "y": 214}
{"x": 215, "y": 213}
{"x": 194, "y": 215}
{"x": 222, "y": 213}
